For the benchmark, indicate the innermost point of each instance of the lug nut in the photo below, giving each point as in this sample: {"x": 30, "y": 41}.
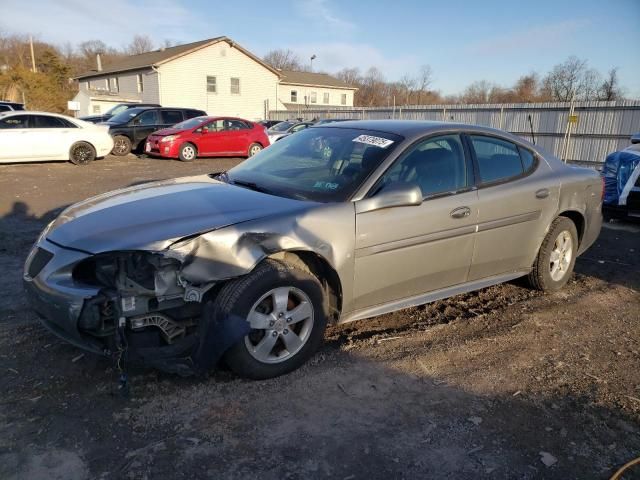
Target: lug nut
{"x": 288, "y": 319}
{"x": 285, "y": 331}
{"x": 280, "y": 314}
{"x": 275, "y": 334}
{"x": 271, "y": 323}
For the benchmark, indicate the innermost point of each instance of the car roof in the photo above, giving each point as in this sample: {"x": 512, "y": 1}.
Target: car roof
{"x": 33, "y": 112}
{"x": 417, "y": 128}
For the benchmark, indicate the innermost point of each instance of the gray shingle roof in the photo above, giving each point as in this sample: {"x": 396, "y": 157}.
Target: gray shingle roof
{"x": 156, "y": 57}
{"x": 313, "y": 79}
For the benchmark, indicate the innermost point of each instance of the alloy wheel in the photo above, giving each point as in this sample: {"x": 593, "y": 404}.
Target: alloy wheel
{"x": 561, "y": 256}
{"x": 281, "y": 323}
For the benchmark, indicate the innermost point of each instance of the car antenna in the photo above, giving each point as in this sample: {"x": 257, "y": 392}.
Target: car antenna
{"x": 533, "y": 137}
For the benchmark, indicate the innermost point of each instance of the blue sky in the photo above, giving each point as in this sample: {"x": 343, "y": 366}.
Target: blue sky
{"x": 462, "y": 41}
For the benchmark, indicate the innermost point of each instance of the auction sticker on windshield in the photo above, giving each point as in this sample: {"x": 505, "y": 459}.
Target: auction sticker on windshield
{"x": 375, "y": 141}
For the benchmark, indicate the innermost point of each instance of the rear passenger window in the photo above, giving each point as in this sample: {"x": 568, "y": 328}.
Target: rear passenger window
{"x": 171, "y": 117}
{"x": 497, "y": 159}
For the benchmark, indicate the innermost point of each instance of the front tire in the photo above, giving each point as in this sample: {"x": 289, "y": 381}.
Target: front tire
{"x": 82, "y": 153}
{"x": 287, "y": 312}
{"x": 188, "y": 152}
{"x": 121, "y": 145}
{"x": 556, "y": 258}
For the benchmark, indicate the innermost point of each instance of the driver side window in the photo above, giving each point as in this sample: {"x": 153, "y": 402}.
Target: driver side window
{"x": 149, "y": 117}
{"x": 437, "y": 165}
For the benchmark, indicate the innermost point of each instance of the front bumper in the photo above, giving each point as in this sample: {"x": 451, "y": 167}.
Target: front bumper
{"x": 154, "y": 147}
{"x": 57, "y": 299}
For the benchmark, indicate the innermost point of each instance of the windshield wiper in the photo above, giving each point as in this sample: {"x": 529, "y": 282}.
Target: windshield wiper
{"x": 250, "y": 185}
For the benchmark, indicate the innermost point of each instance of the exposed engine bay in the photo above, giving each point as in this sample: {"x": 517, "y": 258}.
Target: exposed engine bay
{"x": 142, "y": 294}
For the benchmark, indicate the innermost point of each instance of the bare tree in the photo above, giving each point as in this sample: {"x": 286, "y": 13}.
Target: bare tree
{"x": 283, "y": 60}
{"x": 140, "y": 44}
{"x": 572, "y": 79}
{"x": 478, "y": 92}
{"x": 423, "y": 81}
{"x": 407, "y": 86}
{"x": 610, "y": 88}
{"x": 350, "y": 76}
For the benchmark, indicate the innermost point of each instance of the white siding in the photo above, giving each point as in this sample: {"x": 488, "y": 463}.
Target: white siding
{"x": 183, "y": 83}
{"x": 335, "y": 94}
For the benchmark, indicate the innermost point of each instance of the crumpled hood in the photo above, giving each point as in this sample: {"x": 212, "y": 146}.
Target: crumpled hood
{"x": 154, "y": 215}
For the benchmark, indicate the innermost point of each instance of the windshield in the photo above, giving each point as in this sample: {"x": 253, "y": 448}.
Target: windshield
{"x": 318, "y": 164}
{"x": 282, "y": 126}
{"x": 116, "y": 110}
{"x": 191, "y": 123}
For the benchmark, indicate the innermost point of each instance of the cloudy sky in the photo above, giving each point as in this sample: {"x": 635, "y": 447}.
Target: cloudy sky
{"x": 463, "y": 41}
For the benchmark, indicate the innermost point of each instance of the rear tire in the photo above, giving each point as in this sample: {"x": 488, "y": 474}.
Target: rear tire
{"x": 121, "y": 146}
{"x": 82, "y": 153}
{"x": 287, "y": 311}
{"x": 556, "y": 258}
{"x": 188, "y": 152}
{"x": 253, "y": 149}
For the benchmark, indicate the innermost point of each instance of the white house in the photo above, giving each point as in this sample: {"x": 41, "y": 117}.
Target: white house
{"x": 215, "y": 75}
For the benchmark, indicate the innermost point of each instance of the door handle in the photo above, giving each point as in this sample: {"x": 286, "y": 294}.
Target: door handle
{"x": 542, "y": 193}
{"x": 460, "y": 212}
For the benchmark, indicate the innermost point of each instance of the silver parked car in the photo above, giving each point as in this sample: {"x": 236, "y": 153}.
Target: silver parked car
{"x": 336, "y": 223}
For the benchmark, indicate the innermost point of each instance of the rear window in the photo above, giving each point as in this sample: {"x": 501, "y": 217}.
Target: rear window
{"x": 171, "y": 117}
{"x": 497, "y": 159}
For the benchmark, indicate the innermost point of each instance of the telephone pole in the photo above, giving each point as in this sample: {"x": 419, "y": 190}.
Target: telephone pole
{"x": 33, "y": 57}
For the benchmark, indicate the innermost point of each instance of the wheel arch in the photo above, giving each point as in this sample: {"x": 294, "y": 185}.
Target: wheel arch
{"x": 578, "y": 220}
{"x": 320, "y": 268}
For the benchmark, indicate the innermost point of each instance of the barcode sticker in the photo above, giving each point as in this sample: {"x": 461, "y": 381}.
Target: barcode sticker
{"x": 128, "y": 304}
{"x": 375, "y": 141}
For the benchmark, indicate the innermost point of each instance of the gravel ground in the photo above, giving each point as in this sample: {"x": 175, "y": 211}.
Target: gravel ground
{"x": 502, "y": 383}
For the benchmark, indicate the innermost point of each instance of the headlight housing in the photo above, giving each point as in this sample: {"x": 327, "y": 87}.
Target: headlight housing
{"x": 168, "y": 138}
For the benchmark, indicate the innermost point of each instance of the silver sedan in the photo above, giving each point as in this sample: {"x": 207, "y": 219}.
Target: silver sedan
{"x": 339, "y": 222}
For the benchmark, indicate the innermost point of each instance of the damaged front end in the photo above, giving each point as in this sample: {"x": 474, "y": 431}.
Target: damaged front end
{"x": 133, "y": 301}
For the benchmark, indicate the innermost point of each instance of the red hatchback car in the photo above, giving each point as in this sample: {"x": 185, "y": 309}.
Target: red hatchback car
{"x": 208, "y": 137}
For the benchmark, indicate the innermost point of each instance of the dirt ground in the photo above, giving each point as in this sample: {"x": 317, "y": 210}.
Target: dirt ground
{"x": 502, "y": 383}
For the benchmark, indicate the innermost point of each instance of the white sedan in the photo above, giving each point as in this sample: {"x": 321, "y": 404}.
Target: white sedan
{"x": 40, "y": 136}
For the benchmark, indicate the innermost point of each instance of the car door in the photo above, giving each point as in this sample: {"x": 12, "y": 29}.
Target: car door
{"x": 209, "y": 137}
{"x": 144, "y": 125}
{"x": 237, "y": 136}
{"x": 14, "y": 138}
{"x": 52, "y": 136}
{"x": 517, "y": 197}
{"x": 168, "y": 118}
{"x": 405, "y": 251}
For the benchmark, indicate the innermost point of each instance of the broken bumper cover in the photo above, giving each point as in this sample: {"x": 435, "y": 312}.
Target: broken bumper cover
{"x": 54, "y": 296}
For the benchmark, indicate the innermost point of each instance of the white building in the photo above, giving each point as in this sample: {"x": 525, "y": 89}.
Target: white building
{"x": 215, "y": 75}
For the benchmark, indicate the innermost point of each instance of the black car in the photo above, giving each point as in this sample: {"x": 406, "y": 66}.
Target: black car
{"x": 10, "y": 106}
{"x": 119, "y": 108}
{"x": 131, "y": 128}
{"x": 269, "y": 123}
{"x": 333, "y": 120}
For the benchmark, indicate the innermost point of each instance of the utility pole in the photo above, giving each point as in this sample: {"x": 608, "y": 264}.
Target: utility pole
{"x": 313, "y": 57}
{"x": 33, "y": 57}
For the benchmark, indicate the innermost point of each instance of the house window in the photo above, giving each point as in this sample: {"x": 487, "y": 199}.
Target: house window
{"x": 140, "y": 83}
{"x": 114, "y": 84}
{"x": 235, "y": 86}
{"x": 343, "y": 99}
{"x": 294, "y": 96}
{"x": 325, "y": 97}
{"x": 88, "y": 84}
{"x": 96, "y": 109}
{"x": 212, "y": 86}
{"x": 313, "y": 98}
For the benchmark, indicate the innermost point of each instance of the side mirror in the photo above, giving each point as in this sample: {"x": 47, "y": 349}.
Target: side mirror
{"x": 394, "y": 195}
{"x": 635, "y": 138}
